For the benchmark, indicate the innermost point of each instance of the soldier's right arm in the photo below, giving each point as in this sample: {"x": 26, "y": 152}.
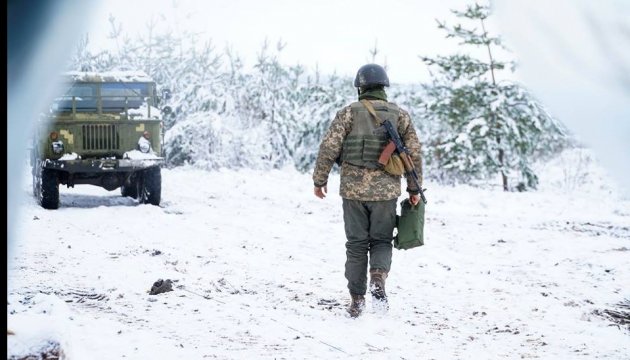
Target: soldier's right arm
{"x": 411, "y": 141}
{"x": 331, "y": 146}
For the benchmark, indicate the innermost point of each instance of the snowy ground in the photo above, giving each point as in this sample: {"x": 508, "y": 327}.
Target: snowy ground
{"x": 257, "y": 263}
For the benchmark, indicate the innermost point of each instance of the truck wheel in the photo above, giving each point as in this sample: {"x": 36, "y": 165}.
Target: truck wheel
{"x": 49, "y": 189}
{"x": 36, "y": 172}
{"x": 150, "y": 189}
{"x": 132, "y": 189}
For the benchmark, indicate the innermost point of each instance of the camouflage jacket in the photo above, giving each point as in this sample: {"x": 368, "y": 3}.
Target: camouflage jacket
{"x": 360, "y": 183}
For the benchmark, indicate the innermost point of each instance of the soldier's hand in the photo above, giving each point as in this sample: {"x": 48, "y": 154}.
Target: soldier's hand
{"x": 320, "y": 192}
{"x": 414, "y": 199}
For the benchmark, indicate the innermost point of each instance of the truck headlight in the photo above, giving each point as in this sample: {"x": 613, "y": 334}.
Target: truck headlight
{"x": 57, "y": 147}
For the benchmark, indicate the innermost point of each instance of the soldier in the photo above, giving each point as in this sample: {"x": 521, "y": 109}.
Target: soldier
{"x": 369, "y": 193}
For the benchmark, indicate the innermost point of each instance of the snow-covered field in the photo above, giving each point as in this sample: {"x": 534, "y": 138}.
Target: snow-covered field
{"x": 257, "y": 266}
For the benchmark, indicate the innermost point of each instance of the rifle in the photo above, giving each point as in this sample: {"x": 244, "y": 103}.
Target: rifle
{"x": 396, "y": 144}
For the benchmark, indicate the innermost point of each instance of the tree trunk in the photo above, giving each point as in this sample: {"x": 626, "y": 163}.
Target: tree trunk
{"x": 494, "y": 83}
{"x": 503, "y": 176}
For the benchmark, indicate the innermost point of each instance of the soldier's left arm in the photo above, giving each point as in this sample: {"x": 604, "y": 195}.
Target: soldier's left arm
{"x": 409, "y": 136}
{"x": 331, "y": 146}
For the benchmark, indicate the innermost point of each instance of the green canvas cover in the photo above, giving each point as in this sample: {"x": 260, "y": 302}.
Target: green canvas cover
{"x": 410, "y": 225}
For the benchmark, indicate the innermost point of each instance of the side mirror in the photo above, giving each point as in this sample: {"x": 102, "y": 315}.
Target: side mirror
{"x": 166, "y": 94}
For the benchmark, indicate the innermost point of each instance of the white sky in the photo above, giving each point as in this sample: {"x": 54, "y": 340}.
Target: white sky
{"x": 335, "y": 35}
{"x": 578, "y": 65}
{"x": 497, "y": 277}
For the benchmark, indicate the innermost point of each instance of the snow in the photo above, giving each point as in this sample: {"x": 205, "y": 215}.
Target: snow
{"x": 257, "y": 263}
{"x": 143, "y": 112}
{"x": 479, "y": 122}
{"x": 121, "y": 75}
{"x": 462, "y": 139}
{"x": 70, "y": 156}
{"x": 44, "y": 325}
{"x": 138, "y": 155}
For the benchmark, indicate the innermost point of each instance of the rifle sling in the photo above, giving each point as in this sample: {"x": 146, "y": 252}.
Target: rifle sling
{"x": 371, "y": 110}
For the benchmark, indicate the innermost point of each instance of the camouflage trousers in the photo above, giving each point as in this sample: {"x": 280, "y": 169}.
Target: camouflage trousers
{"x": 369, "y": 229}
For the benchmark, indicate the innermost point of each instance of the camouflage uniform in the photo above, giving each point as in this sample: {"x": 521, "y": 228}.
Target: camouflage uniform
{"x": 369, "y": 196}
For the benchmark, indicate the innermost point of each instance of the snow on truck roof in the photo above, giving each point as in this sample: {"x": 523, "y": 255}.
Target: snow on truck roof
{"x": 109, "y": 76}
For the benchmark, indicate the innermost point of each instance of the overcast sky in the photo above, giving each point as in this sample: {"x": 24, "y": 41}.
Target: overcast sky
{"x": 332, "y": 34}
{"x": 575, "y": 56}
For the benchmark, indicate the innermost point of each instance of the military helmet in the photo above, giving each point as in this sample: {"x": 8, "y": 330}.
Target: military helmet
{"x": 371, "y": 75}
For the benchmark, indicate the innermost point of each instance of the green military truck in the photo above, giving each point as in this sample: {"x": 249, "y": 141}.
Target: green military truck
{"x": 105, "y": 129}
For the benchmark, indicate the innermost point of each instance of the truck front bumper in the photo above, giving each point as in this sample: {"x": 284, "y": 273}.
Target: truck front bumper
{"x": 101, "y": 165}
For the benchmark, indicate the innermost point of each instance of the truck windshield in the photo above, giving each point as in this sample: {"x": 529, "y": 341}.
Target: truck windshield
{"x": 114, "y": 96}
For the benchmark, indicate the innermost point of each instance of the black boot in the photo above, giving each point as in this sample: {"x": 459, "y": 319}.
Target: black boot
{"x": 356, "y": 306}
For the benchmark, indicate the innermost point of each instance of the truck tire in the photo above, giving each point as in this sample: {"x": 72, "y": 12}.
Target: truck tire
{"x": 36, "y": 183}
{"x": 150, "y": 189}
{"x": 36, "y": 172}
{"x": 48, "y": 189}
{"x": 132, "y": 189}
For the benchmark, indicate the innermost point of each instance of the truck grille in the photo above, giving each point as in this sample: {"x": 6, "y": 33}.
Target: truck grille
{"x": 101, "y": 137}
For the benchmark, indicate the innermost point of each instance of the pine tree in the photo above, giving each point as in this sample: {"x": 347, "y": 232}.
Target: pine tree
{"x": 484, "y": 126}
